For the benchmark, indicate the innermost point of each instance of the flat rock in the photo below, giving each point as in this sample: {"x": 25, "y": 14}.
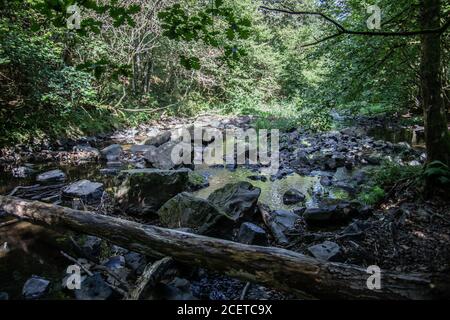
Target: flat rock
{"x": 326, "y": 251}
{"x": 164, "y": 157}
{"x": 35, "y": 287}
{"x": 51, "y": 176}
{"x": 89, "y": 192}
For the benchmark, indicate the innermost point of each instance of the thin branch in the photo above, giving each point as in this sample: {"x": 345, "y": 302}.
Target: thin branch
{"x": 343, "y": 30}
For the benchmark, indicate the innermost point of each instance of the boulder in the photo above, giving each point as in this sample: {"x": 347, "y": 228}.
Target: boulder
{"x": 293, "y": 196}
{"x": 187, "y": 211}
{"x": 159, "y": 139}
{"x": 326, "y": 251}
{"x": 93, "y": 288}
{"x": 89, "y": 192}
{"x": 197, "y": 181}
{"x": 250, "y": 233}
{"x": 90, "y": 245}
{"x": 112, "y": 152}
{"x": 280, "y": 222}
{"x": 51, "y": 176}
{"x": 35, "y": 287}
{"x": 143, "y": 191}
{"x": 135, "y": 261}
{"x": 238, "y": 200}
{"x": 161, "y": 157}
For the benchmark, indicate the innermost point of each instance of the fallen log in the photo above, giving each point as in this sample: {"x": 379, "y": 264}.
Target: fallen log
{"x": 274, "y": 267}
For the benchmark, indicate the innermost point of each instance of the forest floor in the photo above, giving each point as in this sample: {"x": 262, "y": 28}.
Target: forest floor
{"x": 404, "y": 232}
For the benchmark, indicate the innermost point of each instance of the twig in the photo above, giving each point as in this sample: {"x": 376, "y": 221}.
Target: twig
{"x": 150, "y": 277}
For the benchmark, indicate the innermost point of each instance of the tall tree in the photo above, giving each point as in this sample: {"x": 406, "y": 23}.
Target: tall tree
{"x": 435, "y": 115}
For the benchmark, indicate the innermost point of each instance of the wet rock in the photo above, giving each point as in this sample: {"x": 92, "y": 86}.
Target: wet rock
{"x": 293, "y": 196}
{"x": 159, "y": 139}
{"x": 326, "y": 251}
{"x": 112, "y": 152}
{"x": 35, "y": 288}
{"x": 22, "y": 172}
{"x": 89, "y": 192}
{"x": 177, "y": 289}
{"x": 93, "y": 288}
{"x": 51, "y": 176}
{"x": 143, "y": 191}
{"x": 238, "y": 200}
{"x": 280, "y": 222}
{"x": 4, "y": 296}
{"x": 187, "y": 211}
{"x": 250, "y": 233}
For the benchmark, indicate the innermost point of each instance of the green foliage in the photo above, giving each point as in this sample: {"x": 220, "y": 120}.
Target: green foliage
{"x": 372, "y": 195}
{"x": 438, "y": 173}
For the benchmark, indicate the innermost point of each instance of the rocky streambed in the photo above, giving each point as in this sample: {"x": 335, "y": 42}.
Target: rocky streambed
{"x": 309, "y": 206}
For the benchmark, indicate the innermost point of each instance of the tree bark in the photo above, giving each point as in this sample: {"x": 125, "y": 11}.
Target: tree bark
{"x": 435, "y": 113}
{"x": 277, "y": 268}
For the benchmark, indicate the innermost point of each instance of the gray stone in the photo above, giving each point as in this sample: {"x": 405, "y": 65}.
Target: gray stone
{"x": 112, "y": 152}
{"x": 187, "y": 211}
{"x": 51, "y": 176}
{"x": 250, "y": 233}
{"x": 143, "y": 191}
{"x": 293, "y": 196}
{"x": 162, "y": 157}
{"x": 159, "y": 139}
{"x": 89, "y": 192}
{"x": 35, "y": 287}
{"x": 116, "y": 262}
{"x": 238, "y": 200}
{"x": 93, "y": 288}
{"x": 327, "y": 251}
{"x": 281, "y": 221}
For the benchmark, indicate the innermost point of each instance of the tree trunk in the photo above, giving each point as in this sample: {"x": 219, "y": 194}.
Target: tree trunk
{"x": 435, "y": 113}
{"x": 277, "y": 268}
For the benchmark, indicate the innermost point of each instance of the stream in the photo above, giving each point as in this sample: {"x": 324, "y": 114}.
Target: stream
{"x": 28, "y": 250}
